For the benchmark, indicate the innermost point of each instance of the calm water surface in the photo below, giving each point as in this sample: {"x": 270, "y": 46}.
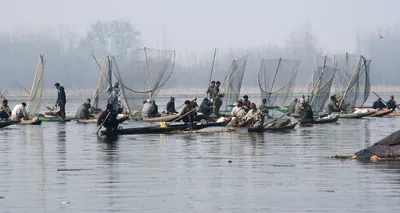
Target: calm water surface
{"x": 270, "y": 172}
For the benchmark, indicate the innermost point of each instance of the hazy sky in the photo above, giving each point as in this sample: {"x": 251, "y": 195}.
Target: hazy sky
{"x": 204, "y": 24}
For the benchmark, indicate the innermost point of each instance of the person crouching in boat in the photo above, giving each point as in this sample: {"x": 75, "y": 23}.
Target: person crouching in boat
{"x": 237, "y": 114}
{"x": 147, "y": 110}
{"x": 155, "y": 109}
{"x": 187, "y": 113}
{"x": 378, "y": 105}
{"x": 19, "y": 112}
{"x": 391, "y": 104}
{"x": 83, "y": 111}
{"x": 206, "y": 108}
{"x": 292, "y": 107}
{"x": 306, "y": 113}
{"x": 332, "y": 106}
{"x": 5, "y": 110}
{"x": 171, "y": 106}
{"x": 253, "y": 118}
{"x": 263, "y": 107}
{"x": 108, "y": 118}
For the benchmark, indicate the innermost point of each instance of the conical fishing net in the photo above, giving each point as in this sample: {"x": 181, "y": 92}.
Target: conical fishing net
{"x": 35, "y": 96}
{"x": 276, "y": 79}
{"x": 142, "y": 73}
{"x": 101, "y": 94}
{"x": 230, "y": 88}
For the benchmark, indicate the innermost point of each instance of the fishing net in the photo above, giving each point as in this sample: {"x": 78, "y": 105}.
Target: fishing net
{"x": 322, "y": 82}
{"x": 230, "y": 88}
{"x": 276, "y": 79}
{"x": 35, "y": 96}
{"x": 142, "y": 73}
{"x": 101, "y": 94}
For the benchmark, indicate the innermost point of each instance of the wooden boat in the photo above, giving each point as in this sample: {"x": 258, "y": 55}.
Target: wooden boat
{"x": 7, "y": 123}
{"x": 30, "y": 122}
{"x": 393, "y": 114}
{"x": 166, "y": 118}
{"x": 161, "y": 130}
{"x": 120, "y": 119}
{"x": 326, "y": 119}
{"x": 281, "y": 128}
{"x": 355, "y": 115}
{"x": 381, "y": 113}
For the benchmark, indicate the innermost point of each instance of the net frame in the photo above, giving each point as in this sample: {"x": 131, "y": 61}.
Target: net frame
{"x": 36, "y": 93}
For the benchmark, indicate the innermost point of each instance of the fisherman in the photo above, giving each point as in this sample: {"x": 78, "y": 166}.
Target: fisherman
{"x": 61, "y": 98}
{"x": 155, "y": 109}
{"x": 298, "y": 108}
{"x": 391, "y": 104}
{"x": 332, "y": 106}
{"x": 5, "y": 111}
{"x": 187, "y": 113}
{"x": 121, "y": 109}
{"x": 217, "y": 104}
{"x": 263, "y": 107}
{"x": 19, "y": 112}
{"x": 108, "y": 118}
{"x": 54, "y": 111}
{"x": 253, "y": 118}
{"x": 292, "y": 106}
{"x": 246, "y": 102}
{"x": 171, "y": 106}
{"x": 147, "y": 109}
{"x": 193, "y": 103}
{"x": 205, "y": 108}
{"x": 215, "y": 91}
{"x": 210, "y": 89}
{"x": 237, "y": 114}
{"x": 306, "y": 113}
{"x": 378, "y": 104}
{"x": 83, "y": 111}
{"x": 114, "y": 92}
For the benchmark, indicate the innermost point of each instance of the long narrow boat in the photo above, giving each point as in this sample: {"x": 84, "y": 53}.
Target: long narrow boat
{"x": 7, "y": 123}
{"x": 355, "y": 115}
{"x": 30, "y": 122}
{"x": 333, "y": 118}
{"x": 166, "y": 118}
{"x": 381, "y": 113}
{"x": 162, "y": 130}
{"x": 120, "y": 119}
{"x": 273, "y": 129}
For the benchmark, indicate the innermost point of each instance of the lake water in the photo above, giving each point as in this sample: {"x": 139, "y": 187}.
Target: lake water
{"x": 219, "y": 172}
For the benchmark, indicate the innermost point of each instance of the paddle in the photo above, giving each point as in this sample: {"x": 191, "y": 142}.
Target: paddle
{"x": 384, "y": 102}
{"x": 183, "y": 115}
{"x": 255, "y": 114}
{"x": 98, "y": 130}
{"x": 273, "y": 120}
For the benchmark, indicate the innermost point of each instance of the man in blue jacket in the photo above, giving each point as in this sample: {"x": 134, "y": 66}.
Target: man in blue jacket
{"x": 62, "y": 98}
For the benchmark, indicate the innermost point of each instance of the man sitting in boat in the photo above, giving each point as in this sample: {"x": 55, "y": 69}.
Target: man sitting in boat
{"x": 391, "y": 104}
{"x": 253, "y": 118}
{"x": 19, "y": 112}
{"x": 332, "y": 106}
{"x": 187, "y": 113}
{"x": 237, "y": 114}
{"x": 155, "y": 109}
{"x": 55, "y": 111}
{"x": 147, "y": 110}
{"x": 210, "y": 89}
{"x": 298, "y": 108}
{"x": 246, "y": 102}
{"x": 83, "y": 111}
{"x": 5, "y": 110}
{"x": 378, "y": 105}
{"x": 306, "y": 114}
{"x": 206, "y": 108}
{"x": 292, "y": 107}
{"x": 108, "y": 118}
{"x": 263, "y": 107}
{"x": 171, "y": 106}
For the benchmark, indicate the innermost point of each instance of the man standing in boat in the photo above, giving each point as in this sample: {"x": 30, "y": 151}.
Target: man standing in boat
{"x": 210, "y": 89}
{"x": 61, "y": 99}
{"x": 114, "y": 93}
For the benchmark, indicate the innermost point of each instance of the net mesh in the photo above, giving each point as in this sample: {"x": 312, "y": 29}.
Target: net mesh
{"x": 322, "y": 82}
{"x": 35, "y": 96}
{"x": 356, "y": 87}
{"x": 232, "y": 84}
{"x": 276, "y": 79}
{"x": 101, "y": 94}
{"x": 142, "y": 73}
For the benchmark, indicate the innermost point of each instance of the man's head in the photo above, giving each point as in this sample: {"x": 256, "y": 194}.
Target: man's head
{"x": 218, "y": 83}
{"x": 212, "y": 83}
{"x": 172, "y": 99}
{"x": 252, "y": 106}
{"x": 302, "y": 100}
{"x": 264, "y": 100}
{"x": 392, "y": 97}
{"x": 57, "y": 85}
{"x": 5, "y": 102}
{"x": 23, "y": 104}
{"x": 333, "y": 98}
{"x": 153, "y": 102}
{"x": 295, "y": 100}
{"x": 116, "y": 84}
{"x": 379, "y": 99}
{"x": 194, "y": 99}
{"x": 88, "y": 100}
{"x": 109, "y": 106}
{"x": 245, "y": 97}
{"x": 187, "y": 102}
{"x": 205, "y": 100}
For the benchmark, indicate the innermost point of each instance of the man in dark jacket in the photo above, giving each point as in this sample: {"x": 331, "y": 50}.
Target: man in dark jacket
{"x": 108, "y": 118}
{"x": 206, "y": 108}
{"x": 171, "y": 106}
{"x": 187, "y": 113}
{"x": 378, "y": 104}
{"x": 332, "y": 106}
{"x": 391, "y": 104}
{"x": 61, "y": 98}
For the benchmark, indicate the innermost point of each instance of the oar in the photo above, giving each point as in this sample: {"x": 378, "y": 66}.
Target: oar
{"x": 183, "y": 115}
{"x": 258, "y": 112}
{"x": 384, "y": 102}
{"x": 98, "y": 130}
{"x": 274, "y": 120}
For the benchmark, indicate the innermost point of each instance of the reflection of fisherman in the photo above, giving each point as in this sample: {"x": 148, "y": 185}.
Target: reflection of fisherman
{"x": 114, "y": 92}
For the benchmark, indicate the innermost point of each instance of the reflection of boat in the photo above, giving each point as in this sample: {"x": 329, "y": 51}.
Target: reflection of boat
{"x": 162, "y": 129}
{"x": 281, "y": 128}
{"x": 7, "y": 123}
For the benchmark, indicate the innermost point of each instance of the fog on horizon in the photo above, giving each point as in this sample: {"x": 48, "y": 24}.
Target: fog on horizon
{"x": 66, "y": 33}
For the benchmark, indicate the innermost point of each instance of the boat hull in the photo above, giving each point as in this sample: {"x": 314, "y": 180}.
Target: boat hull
{"x": 273, "y": 129}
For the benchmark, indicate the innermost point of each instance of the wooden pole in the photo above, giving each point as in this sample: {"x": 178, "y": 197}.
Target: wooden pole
{"x": 212, "y": 68}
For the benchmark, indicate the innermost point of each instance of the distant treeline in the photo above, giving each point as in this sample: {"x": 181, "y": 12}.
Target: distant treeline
{"x": 69, "y": 61}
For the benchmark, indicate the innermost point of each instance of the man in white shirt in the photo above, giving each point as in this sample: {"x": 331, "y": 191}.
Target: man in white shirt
{"x": 19, "y": 112}
{"x": 238, "y": 112}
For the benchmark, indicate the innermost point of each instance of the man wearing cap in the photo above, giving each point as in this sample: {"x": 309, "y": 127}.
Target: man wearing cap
{"x": 210, "y": 88}
{"x": 253, "y": 117}
{"x": 171, "y": 106}
{"x": 391, "y": 104}
{"x": 5, "y": 110}
{"x": 19, "y": 112}
{"x": 61, "y": 99}
{"x": 108, "y": 118}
